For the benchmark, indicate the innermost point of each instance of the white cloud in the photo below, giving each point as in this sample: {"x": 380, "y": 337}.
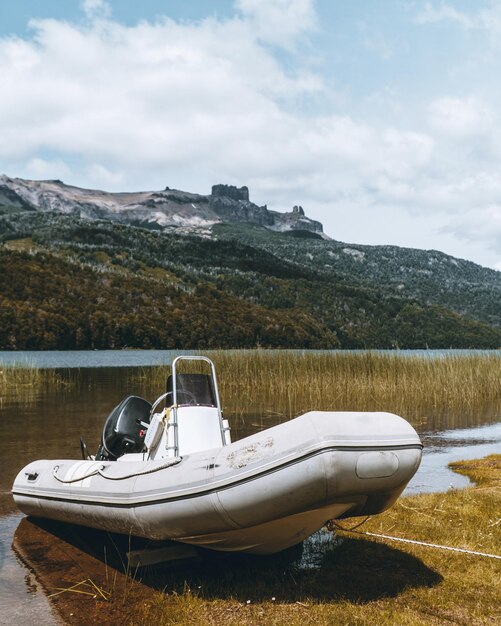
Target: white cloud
{"x": 483, "y": 224}
{"x": 192, "y": 104}
{"x": 100, "y": 176}
{"x": 279, "y": 22}
{"x": 375, "y": 41}
{"x": 484, "y": 17}
{"x": 433, "y": 14}
{"x": 386, "y": 99}
{"x": 462, "y": 118}
{"x": 96, "y": 8}
{"x": 45, "y": 169}
{"x": 169, "y": 97}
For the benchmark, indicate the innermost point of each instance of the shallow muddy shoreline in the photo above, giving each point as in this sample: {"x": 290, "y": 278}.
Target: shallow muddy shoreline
{"x": 348, "y": 577}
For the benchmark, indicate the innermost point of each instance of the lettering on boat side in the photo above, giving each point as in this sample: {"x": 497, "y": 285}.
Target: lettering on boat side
{"x": 250, "y": 454}
{"x": 377, "y": 464}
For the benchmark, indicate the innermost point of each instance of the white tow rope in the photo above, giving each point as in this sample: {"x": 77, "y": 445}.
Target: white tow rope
{"x": 419, "y": 543}
{"x": 100, "y": 471}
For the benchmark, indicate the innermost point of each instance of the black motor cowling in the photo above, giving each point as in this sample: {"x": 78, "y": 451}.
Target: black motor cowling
{"x": 123, "y": 432}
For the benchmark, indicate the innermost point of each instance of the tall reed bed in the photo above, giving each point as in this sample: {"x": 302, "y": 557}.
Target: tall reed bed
{"x": 25, "y": 382}
{"x": 289, "y": 382}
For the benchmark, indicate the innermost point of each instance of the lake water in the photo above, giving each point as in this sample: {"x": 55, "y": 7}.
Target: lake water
{"x": 141, "y": 358}
{"x": 48, "y": 424}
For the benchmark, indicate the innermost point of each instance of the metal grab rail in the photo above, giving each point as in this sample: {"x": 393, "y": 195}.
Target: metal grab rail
{"x": 222, "y": 426}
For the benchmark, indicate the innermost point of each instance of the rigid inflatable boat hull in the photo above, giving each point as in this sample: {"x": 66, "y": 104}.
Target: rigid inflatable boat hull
{"x": 261, "y": 494}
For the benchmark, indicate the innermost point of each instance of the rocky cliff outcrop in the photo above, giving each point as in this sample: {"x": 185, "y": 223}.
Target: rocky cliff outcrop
{"x": 157, "y": 209}
{"x": 232, "y": 204}
{"x": 296, "y": 220}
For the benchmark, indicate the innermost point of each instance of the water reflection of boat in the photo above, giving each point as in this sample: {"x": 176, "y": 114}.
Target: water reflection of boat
{"x": 175, "y": 474}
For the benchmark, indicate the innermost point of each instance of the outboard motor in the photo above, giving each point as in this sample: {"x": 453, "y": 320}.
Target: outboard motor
{"x": 123, "y": 430}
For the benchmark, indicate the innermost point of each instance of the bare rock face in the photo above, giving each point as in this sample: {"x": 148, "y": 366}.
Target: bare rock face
{"x": 297, "y": 220}
{"x": 156, "y": 209}
{"x": 232, "y": 204}
{"x": 231, "y": 192}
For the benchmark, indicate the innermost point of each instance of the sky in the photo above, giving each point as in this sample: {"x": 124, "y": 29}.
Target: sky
{"x": 380, "y": 117}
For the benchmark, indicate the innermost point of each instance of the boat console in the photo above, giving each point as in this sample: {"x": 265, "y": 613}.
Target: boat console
{"x": 191, "y": 421}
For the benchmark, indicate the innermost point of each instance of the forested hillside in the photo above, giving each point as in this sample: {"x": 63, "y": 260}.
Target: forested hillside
{"x": 428, "y": 276}
{"x": 72, "y": 283}
{"x": 51, "y": 303}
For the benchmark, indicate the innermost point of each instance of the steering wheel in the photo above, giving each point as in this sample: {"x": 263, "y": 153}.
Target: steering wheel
{"x": 188, "y": 394}
{"x": 164, "y": 396}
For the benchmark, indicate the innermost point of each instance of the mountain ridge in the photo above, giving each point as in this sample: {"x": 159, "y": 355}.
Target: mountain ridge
{"x": 290, "y": 287}
{"x": 154, "y": 209}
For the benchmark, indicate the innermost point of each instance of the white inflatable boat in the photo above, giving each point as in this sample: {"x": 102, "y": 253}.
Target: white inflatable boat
{"x": 175, "y": 474}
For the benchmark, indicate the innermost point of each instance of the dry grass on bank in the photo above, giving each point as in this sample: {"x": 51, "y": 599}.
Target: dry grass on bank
{"x": 362, "y": 580}
{"x": 289, "y": 383}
